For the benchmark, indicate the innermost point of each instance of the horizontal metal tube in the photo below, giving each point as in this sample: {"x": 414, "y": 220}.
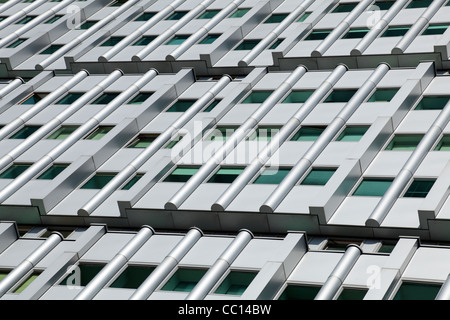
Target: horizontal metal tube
{"x": 222, "y": 264}
{"x": 234, "y": 139}
{"x": 115, "y": 265}
{"x": 20, "y": 14}
{"x": 166, "y": 266}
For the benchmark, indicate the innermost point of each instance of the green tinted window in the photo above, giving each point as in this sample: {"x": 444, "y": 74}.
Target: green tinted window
{"x": 132, "y": 182}
{"x": 211, "y": 106}
{"x": 340, "y": 96}
{"x": 181, "y": 174}
{"x": 145, "y": 40}
{"x": 132, "y": 277}
{"x": 384, "y": 5}
{"x": 210, "y": 38}
{"x": 26, "y": 282}
{"x": 25, "y": 20}
{"x": 140, "y": 98}
{"x": 86, "y": 273}
{"x": 275, "y": 44}
{"x": 345, "y": 7}
{"x": 308, "y": 134}
{"x": 221, "y": 133}
{"x": 52, "y": 172}
{"x": 304, "y": 16}
{"x": 247, "y": 44}
{"x": 208, "y": 14}
{"x": 352, "y": 294}
{"x": 318, "y": 177}
{"x": 53, "y": 19}
{"x": 111, "y": 41}
{"x": 419, "y": 188}
{"x": 417, "y": 291}
{"x": 298, "y": 96}
{"x": 174, "y": 142}
{"x": 272, "y": 176}
{"x": 25, "y": 132}
{"x": 297, "y": 292}
{"x": 276, "y": 18}
{"x": 145, "y": 16}
{"x": 318, "y": 35}
{"x": 99, "y": 133}
{"x": 435, "y": 29}
{"x": 235, "y": 283}
{"x": 14, "y": 171}
{"x": 373, "y": 187}
{"x": 16, "y": 43}
{"x": 432, "y": 103}
{"x": 98, "y": 181}
{"x": 383, "y": 95}
{"x": 142, "y": 141}
{"x": 181, "y": 105}
{"x": 419, "y": 4}
{"x": 356, "y": 33}
{"x": 184, "y": 280}
{"x": 86, "y": 25}
{"x": 69, "y": 98}
{"x": 396, "y": 31}
{"x": 226, "y": 175}
{"x": 179, "y": 39}
{"x": 62, "y": 133}
{"x": 105, "y": 98}
{"x": 444, "y": 144}
{"x": 257, "y": 97}
{"x": 52, "y": 49}
{"x": 239, "y": 13}
{"x": 354, "y": 133}
{"x": 177, "y": 15}
{"x": 404, "y": 142}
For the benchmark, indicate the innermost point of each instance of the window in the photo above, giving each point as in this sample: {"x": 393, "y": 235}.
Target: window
{"x": 132, "y": 277}
{"x": 419, "y": 4}
{"x": 140, "y": 98}
{"x": 177, "y": 15}
{"x": 14, "y": 171}
{"x": 310, "y": 133}
{"x": 386, "y": 247}
{"x": 276, "y": 18}
{"x": 181, "y": 105}
{"x": 272, "y": 176}
{"x": 404, "y": 142}
{"x": 132, "y": 182}
{"x": 33, "y": 98}
{"x": 112, "y": 41}
{"x": 299, "y": 292}
{"x": 417, "y": 291}
{"x": 384, "y": 5}
{"x": 212, "y": 105}
{"x": 236, "y": 283}
{"x": 435, "y": 29}
{"x": 25, "y": 20}
{"x": 86, "y": 272}
{"x": 98, "y": 181}
{"x": 208, "y": 14}
{"x": 318, "y": 177}
{"x": 62, "y": 133}
{"x": 304, "y": 16}
{"x": 25, "y": 132}
{"x": 16, "y": 43}
{"x": 181, "y": 174}
{"x": 142, "y": 141}
{"x": 344, "y": 7}
{"x": 53, "y": 19}
{"x": 398, "y": 31}
{"x": 340, "y": 95}
{"x": 117, "y": 3}
{"x": 105, "y": 98}
{"x": 356, "y": 33}
{"x": 26, "y": 282}
{"x": 226, "y": 175}
{"x": 257, "y": 96}
{"x": 432, "y": 103}
{"x": 51, "y": 49}
{"x": 419, "y": 188}
{"x": 143, "y": 41}
{"x": 444, "y": 144}
{"x": 318, "y": 35}
{"x": 70, "y": 98}
{"x": 383, "y": 95}
{"x": 275, "y": 44}
{"x": 86, "y": 25}
{"x": 263, "y": 134}
{"x": 3, "y": 274}
{"x": 99, "y": 133}
{"x": 221, "y": 133}
{"x": 52, "y": 172}
{"x": 352, "y": 294}
{"x": 174, "y": 142}
{"x": 298, "y": 96}
{"x": 247, "y": 44}
{"x": 373, "y": 187}
{"x": 179, "y": 39}
{"x": 145, "y": 16}
{"x": 184, "y": 280}
{"x": 352, "y": 133}
{"x": 210, "y": 38}
{"x": 239, "y": 13}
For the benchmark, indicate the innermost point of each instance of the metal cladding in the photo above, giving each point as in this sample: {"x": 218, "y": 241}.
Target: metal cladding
{"x": 233, "y": 149}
